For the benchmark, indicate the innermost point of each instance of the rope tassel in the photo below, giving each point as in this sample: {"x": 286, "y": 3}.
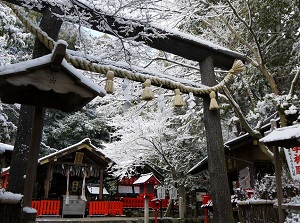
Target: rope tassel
{"x": 178, "y": 100}
{"x": 109, "y": 86}
{"x": 147, "y": 92}
{"x": 213, "y": 102}
{"x": 237, "y": 67}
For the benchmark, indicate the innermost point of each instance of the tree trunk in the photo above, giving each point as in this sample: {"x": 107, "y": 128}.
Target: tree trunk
{"x": 51, "y": 25}
{"x": 222, "y": 210}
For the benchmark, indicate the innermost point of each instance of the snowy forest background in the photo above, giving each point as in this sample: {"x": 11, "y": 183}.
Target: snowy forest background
{"x": 130, "y": 130}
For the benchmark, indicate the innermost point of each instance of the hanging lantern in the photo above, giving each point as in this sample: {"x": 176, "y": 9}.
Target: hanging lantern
{"x": 178, "y": 100}
{"x": 147, "y": 92}
{"x": 109, "y": 86}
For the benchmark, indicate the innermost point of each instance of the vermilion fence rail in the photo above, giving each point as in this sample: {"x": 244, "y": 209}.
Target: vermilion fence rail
{"x": 46, "y": 207}
{"x": 52, "y": 207}
{"x": 131, "y": 202}
{"x": 105, "y": 208}
{"x": 138, "y": 202}
{"x": 37, "y": 206}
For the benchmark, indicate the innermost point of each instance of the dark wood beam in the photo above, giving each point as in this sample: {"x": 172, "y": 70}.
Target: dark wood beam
{"x": 169, "y": 41}
{"x": 58, "y": 56}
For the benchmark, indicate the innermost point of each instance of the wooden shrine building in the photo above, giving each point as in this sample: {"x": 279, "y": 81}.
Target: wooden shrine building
{"x": 126, "y": 188}
{"x": 73, "y": 166}
{"x": 244, "y": 160}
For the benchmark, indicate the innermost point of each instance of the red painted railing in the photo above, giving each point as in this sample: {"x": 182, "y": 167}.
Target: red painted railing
{"x": 105, "y": 208}
{"x": 37, "y": 206}
{"x": 138, "y": 202}
{"x": 130, "y": 202}
{"x": 46, "y": 207}
{"x": 52, "y": 207}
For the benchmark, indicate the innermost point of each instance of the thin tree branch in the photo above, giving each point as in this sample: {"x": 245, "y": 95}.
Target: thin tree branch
{"x": 294, "y": 83}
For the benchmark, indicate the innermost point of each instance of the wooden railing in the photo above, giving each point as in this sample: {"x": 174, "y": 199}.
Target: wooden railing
{"x": 138, "y": 202}
{"x": 105, "y": 208}
{"x": 130, "y": 202}
{"x": 111, "y": 208}
{"x": 37, "y": 206}
{"x": 46, "y": 207}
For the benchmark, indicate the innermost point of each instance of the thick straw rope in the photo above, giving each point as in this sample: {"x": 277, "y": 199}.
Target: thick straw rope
{"x": 84, "y": 64}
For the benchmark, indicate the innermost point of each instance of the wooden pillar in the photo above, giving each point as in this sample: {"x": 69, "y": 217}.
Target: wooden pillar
{"x": 47, "y": 181}
{"x": 215, "y": 150}
{"x": 101, "y": 185}
{"x": 278, "y": 177}
{"x": 33, "y": 156}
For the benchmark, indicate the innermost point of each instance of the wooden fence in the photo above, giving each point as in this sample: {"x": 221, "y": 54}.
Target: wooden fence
{"x": 105, "y": 208}
{"x": 139, "y": 202}
{"x": 46, "y": 207}
{"x": 257, "y": 212}
{"x": 114, "y": 208}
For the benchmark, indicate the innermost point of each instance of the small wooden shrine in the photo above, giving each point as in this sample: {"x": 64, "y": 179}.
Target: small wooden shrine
{"x": 126, "y": 188}
{"x": 147, "y": 183}
{"x": 69, "y": 170}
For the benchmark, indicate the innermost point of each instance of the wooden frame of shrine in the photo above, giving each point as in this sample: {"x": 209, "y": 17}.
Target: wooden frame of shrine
{"x": 287, "y": 137}
{"x": 79, "y": 162}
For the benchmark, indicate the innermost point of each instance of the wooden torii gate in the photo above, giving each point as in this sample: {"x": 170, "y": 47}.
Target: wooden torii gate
{"x": 208, "y": 55}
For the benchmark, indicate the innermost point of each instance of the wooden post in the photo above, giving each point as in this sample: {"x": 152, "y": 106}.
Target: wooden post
{"x": 47, "y": 181}
{"x": 33, "y": 156}
{"x": 101, "y": 185}
{"x": 278, "y": 177}
{"x": 215, "y": 150}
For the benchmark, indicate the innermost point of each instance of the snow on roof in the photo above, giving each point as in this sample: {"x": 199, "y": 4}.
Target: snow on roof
{"x": 144, "y": 178}
{"x": 63, "y": 150}
{"x": 84, "y": 141}
{"x": 284, "y": 134}
{"x": 5, "y": 169}
{"x": 5, "y": 147}
{"x": 246, "y": 135}
{"x": 25, "y": 66}
{"x": 194, "y": 169}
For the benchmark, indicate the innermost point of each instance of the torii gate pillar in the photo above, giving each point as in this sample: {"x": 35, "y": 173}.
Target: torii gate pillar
{"x": 215, "y": 149}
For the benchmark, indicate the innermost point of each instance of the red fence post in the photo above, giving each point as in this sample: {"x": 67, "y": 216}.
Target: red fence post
{"x": 36, "y": 205}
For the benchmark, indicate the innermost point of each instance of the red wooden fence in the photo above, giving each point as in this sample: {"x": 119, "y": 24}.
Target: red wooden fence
{"x": 131, "y": 202}
{"x": 46, "y": 207}
{"x": 52, "y": 207}
{"x": 37, "y": 206}
{"x": 105, "y": 208}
